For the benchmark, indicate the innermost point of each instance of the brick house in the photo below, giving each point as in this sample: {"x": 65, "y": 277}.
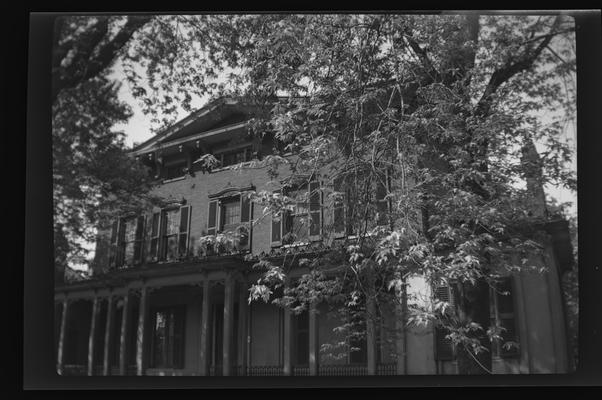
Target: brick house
{"x": 162, "y": 302}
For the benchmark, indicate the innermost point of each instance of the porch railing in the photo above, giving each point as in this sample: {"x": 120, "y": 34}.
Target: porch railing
{"x": 342, "y": 370}
{"x": 265, "y": 370}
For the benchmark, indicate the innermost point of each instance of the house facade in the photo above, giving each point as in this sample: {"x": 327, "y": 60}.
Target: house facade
{"x": 162, "y": 301}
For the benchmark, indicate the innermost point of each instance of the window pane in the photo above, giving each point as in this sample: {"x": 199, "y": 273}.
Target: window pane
{"x": 172, "y": 247}
{"x": 300, "y": 230}
{"x": 175, "y": 171}
{"x": 130, "y": 230}
{"x": 129, "y": 252}
{"x": 172, "y": 222}
{"x": 231, "y": 210}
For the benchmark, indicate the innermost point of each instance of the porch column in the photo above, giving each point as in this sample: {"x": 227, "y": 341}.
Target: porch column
{"x": 61, "y": 346}
{"x": 288, "y": 342}
{"x": 123, "y": 350}
{"x": 228, "y": 324}
{"x": 140, "y": 340}
{"x": 92, "y": 336}
{"x": 106, "y": 365}
{"x": 243, "y": 310}
{"x": 314, "y": 344}
{"x": 204, "y": 370}
{"x": 371, "y": 335}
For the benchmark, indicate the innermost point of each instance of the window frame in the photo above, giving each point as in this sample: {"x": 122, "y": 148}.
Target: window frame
{"x": 175, "y": 162}
{"x": 246, "y": 149}
{"x": 244, "y": 219}
{"x": 286, "y": 219}
{"x": 159, "y": 239}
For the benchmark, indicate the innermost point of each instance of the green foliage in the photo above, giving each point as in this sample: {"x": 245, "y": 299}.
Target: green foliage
{"x": 93, "y": 177}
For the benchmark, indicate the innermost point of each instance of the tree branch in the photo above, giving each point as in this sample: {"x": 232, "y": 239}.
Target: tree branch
{"x": 503, "y": 74}
{"x": 422, "y": 54}
{"x": 95, "y": 64}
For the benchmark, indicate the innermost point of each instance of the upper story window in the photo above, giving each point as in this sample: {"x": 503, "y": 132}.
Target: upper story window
{"x": 359, "y": 191}
{"x": 127, "y": 237}
{"x": 231, "y": 214}
{"x": 175, "y": 170}
{"x": 304, "y": 222}
{"x": 170, "y": 234}
{"x": 234, "y": 156}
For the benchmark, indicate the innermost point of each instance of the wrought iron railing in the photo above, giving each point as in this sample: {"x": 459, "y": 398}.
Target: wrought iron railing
{"x": 386, "y": 369}
{"x": 300, "y": 371}
{"x": 342, "y": 370}
{"x": 265, "y": 370}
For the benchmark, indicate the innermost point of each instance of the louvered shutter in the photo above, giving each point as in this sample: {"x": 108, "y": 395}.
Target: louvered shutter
{"x": 339, "y": 209}
{"x": 120, "y": 243}
{"x": 113, "y": 244}
{"x": 315, "y": 209}
{"x": 277, "y": 229}
{"x": 183, "y": 235}
{"x": 444, "y": 348}
{"x": 245, "y": 218}
{"x": 140, "y": 222}
{"x": 162, "y": 242}
{"x": 212, "y": 219}
{"x": 153, "y": 254}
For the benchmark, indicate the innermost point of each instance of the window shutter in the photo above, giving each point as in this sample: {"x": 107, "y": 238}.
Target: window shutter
{"x": 120, "y": 243}
{"x": 339, "y": 209}
{"x": 245, "y": 218}
{"x": 154, "y": 242}
{"x": 162, "y": 243}
{"x": 184, "y": 231}
{"x": 505, "y": 315}
{"x": 315, "y": 209}
{"x": 245, "y": 208}
{"x": 277, "y": 228}
{"x": 139, "y": 239}
{"x": 212, "y": 219}
{"x": 113, "y": 244}
{"x": 444, "y": 348}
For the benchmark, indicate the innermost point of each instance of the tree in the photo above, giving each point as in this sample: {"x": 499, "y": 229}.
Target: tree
{"x": 93, "y": 177}
{"x": 443, "y": 103}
